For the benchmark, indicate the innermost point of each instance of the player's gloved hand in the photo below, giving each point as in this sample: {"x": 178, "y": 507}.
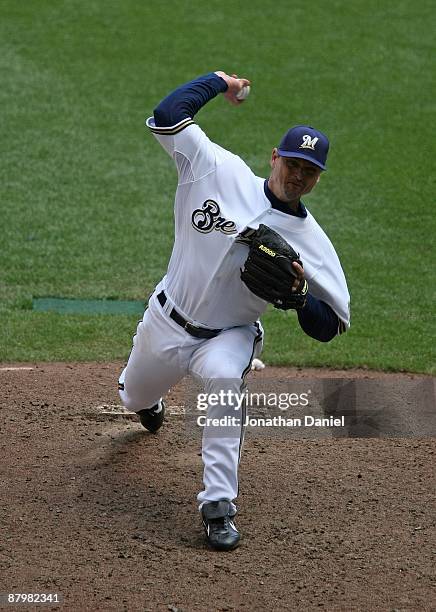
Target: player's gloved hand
{"x": 273, "y": 270}
{"x": 234, "y": 86}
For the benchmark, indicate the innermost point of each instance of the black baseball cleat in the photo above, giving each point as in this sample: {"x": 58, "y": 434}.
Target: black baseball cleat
{"x": 152, "y": 418}
{"x": 221, "y": 532}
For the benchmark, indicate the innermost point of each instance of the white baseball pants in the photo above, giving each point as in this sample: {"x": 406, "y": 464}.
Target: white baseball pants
{"x": 163, "y": 353}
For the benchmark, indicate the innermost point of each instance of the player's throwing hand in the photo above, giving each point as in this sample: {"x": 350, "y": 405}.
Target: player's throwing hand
{"x": 235, "y": 86}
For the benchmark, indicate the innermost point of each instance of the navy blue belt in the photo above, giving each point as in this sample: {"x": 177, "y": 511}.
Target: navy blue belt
{"x": 194, "y": 330}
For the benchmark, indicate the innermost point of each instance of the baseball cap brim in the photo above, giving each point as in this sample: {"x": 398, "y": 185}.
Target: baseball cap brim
{"x": 284, "y": 153}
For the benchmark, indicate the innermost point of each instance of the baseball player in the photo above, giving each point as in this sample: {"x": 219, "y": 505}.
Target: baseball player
{"x": 203, "y": 317}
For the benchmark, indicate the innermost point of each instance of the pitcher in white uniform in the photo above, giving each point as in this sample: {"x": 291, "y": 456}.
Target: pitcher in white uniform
{"x": 202, "y": 320}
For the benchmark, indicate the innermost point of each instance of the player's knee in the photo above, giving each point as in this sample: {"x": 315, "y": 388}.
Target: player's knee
{"x": 225, "y": 368}
{"x": 225, "y": 375}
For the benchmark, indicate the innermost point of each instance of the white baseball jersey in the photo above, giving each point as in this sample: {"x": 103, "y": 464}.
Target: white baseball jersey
{"x": 217, "y": 197}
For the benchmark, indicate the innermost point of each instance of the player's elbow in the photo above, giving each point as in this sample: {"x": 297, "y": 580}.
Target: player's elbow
{"x": 327, "y": 338}
{"x": 323, "y": 336}
{"x": 162, "y": 116}
{"x": 327, "y": 334}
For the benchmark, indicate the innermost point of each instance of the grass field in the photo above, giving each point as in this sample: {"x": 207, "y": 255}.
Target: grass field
{"x": 86, "y": 193}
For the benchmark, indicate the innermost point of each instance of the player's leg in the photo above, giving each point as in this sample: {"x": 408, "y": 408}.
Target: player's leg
{"x": 153, "y": 367}
{"x": 221, "y": 364}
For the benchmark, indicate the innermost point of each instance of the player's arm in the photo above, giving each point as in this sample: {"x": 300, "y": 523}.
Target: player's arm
{"x": 173, "y": 126}
{"x": 185, "y": 102}
{"x": 317, "y": 319}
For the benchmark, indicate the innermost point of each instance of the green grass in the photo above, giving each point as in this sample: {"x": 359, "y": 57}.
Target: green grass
{"x": 86, "y": 193}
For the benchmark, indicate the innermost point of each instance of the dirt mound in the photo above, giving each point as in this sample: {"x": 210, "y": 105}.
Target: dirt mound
{"x": 98, "y": 510}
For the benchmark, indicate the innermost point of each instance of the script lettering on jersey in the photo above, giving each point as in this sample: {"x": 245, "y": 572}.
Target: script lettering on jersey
{"x": 207, "y": 218}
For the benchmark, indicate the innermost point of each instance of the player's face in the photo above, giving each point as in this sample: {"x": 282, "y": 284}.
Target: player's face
{"x": 292, "y": 177}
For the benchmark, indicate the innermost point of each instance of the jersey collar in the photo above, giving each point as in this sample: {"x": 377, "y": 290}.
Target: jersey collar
{"x": 283, "y": 206}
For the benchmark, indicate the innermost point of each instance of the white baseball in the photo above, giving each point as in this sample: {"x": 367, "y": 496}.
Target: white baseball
{"x": 257, "y": 365}
{"x": 241, "y": 95}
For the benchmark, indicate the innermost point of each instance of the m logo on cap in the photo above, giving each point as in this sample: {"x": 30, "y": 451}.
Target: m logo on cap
{"x": 308, "y": 142}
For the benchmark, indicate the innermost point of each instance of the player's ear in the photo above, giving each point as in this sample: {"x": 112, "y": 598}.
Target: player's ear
{"x": 274, "y": 156}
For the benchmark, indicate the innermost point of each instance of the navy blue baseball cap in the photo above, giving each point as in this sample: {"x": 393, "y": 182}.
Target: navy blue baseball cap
{"x": 307, "y": 143}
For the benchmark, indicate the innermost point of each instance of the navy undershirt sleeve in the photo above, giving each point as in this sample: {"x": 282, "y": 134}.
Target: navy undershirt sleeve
{"x": 318, "y": 320}
{"x": 186, "y": 100}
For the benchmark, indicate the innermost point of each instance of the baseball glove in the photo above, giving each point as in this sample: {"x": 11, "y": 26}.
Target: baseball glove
{"x": 268, "y": 270}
